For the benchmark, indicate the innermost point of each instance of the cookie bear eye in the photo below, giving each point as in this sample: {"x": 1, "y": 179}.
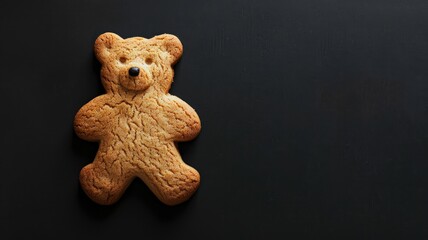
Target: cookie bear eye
{"x": 122, "y": 59}
{"x": 149, "y": 61}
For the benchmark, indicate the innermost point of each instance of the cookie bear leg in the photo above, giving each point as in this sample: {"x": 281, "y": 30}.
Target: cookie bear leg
{"x": 183, "y": 183}
{"x": 174, "y": 183}
{"x": 101, "y": 186}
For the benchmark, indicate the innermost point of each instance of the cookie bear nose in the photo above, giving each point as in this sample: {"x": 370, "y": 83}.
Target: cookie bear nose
{"x": 134, "y": 71}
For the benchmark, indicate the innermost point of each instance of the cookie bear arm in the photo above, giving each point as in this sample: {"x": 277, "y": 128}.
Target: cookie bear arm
{"x": 90, "y": 121}
{"x": 183, "y": 121}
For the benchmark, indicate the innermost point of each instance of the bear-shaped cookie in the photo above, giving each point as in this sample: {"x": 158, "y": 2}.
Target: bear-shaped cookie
{"x": 137, "y": 122}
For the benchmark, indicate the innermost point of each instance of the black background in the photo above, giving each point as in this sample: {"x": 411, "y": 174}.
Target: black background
{"x": 314, "y": 119}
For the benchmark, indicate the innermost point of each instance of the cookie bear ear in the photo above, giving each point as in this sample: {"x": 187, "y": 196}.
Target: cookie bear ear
{"x": 172, "y": 45}
{"x": 104, "y": 43}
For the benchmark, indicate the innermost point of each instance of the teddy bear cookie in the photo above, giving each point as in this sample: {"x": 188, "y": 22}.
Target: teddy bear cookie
{"x": 137, "y": 122}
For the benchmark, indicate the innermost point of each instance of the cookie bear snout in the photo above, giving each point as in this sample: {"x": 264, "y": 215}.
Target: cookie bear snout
{"x": 134, "y": 71}
{"x": 135, "y": 77}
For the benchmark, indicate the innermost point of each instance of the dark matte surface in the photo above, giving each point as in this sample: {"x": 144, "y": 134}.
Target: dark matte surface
{"x": 314, "y": 119}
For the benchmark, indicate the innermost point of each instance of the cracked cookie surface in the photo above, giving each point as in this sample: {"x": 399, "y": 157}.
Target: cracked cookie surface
{"x": 137, "y": 122}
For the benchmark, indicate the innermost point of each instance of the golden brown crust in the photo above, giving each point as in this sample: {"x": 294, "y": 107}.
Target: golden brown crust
{"x": 137, "y": 122}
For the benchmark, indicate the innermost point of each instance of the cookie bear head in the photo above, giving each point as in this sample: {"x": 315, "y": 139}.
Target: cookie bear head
{"x": 135, "y": 64}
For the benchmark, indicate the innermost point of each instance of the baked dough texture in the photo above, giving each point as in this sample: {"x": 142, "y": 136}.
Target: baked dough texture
{"x": 137, "y": 122}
